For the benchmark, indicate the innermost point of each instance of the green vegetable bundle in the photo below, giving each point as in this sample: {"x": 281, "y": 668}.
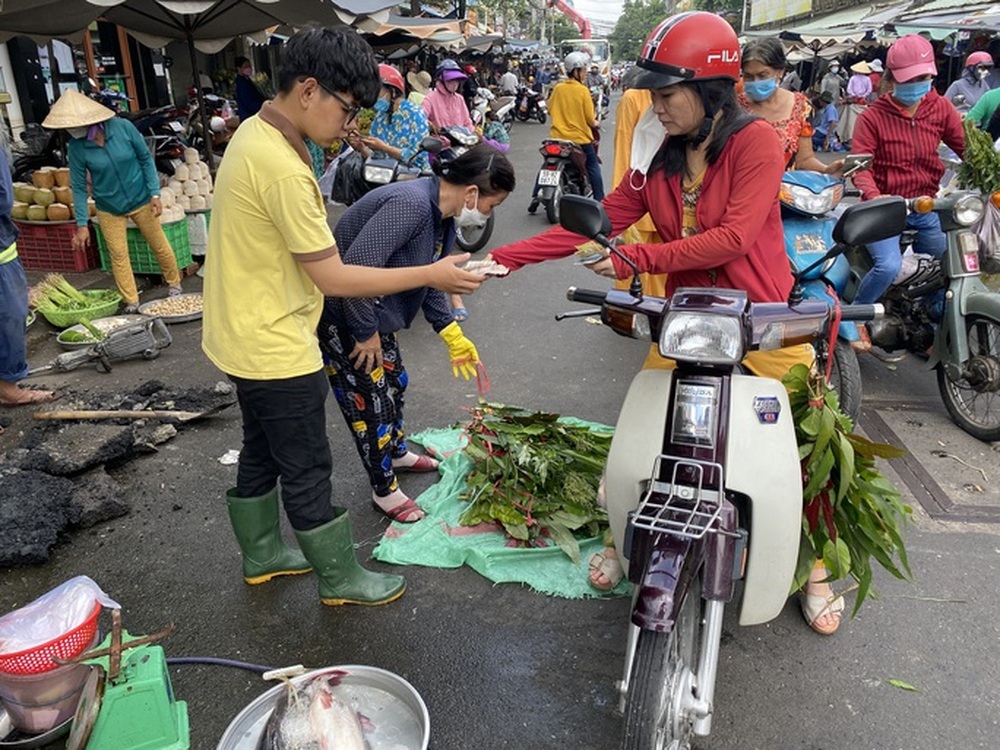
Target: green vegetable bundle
{"x": 55, "y": 294}
{"x": 852, "y": 513}
{"x": 980, "y": 168}
{"x": 536, "y": 475}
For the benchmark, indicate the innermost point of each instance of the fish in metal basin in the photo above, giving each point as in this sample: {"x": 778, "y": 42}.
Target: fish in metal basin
{"x": 310, "y": 716}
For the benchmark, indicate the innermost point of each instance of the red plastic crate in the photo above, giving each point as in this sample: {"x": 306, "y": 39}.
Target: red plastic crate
{"x": 48, "y": 246}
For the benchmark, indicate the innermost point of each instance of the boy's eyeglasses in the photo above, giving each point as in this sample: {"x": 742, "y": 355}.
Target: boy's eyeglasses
{"x": 352, "y": 110}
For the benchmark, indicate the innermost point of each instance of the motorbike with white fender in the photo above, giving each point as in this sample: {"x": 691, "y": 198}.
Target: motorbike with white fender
{"x": 502, "y": 108}
{"x": 691, "y": 504}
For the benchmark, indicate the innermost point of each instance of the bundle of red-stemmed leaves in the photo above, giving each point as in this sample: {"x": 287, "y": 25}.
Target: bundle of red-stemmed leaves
{"x": 536, "y": 475}
{"x": 852, "y": 513}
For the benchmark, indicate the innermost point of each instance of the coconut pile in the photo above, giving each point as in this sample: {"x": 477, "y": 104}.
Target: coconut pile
{"x": 48, "y": 197}
{"x": 190, "y": 189}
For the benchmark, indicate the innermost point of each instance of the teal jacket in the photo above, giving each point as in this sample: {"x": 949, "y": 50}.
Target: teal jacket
{"x": 122, "y": 173}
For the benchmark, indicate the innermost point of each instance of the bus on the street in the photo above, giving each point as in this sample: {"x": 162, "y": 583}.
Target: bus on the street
{"x": 598, "y": 49}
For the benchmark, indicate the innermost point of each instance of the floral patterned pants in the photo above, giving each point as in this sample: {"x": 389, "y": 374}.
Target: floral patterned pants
{"x": 372, "y": 403}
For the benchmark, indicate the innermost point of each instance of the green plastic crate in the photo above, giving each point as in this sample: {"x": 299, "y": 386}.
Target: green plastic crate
{"x": 139, "y": 252}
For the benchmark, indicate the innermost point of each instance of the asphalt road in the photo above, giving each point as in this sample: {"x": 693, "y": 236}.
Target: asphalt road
{"x": 501, "y": 666}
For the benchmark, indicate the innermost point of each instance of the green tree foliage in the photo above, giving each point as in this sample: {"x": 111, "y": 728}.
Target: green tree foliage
{"x": 563, "y": 28}
{"x": 637, "y": 20}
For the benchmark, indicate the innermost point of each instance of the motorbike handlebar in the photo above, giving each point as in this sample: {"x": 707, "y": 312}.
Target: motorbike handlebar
{"x": 588, "y": 296}
{"x": 862, "y": 312}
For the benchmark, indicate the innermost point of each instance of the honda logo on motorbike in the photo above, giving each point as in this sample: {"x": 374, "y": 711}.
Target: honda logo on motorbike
{"x": 767, "y": 409}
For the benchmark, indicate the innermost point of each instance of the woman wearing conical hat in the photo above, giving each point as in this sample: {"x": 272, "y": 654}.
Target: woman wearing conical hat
{"x": 124, "y": 185}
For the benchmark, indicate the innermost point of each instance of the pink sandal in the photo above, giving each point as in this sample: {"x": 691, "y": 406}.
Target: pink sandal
{"x": 422, "y": 465}
{"x": 406, "y": 512}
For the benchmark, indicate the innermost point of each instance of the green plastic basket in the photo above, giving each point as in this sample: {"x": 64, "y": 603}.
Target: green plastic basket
{"x": 140, "y": 254}
{"x": 67, "y": 318}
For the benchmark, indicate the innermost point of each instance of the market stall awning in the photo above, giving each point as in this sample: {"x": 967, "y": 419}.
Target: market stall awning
{"x": 850, "y": 26}
{"x": 484, "y": 43}
{"x": 419, "y": 28}
{"x": 206, "y": 23}
{"x": 944, "y": 17}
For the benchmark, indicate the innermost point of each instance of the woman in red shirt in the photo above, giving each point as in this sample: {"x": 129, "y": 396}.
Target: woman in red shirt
{"x": 711, "y": 188}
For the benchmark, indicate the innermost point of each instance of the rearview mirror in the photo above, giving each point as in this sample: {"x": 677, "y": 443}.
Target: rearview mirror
{"x": 583, "y": 216}
{"x": 431, "y": 145}
{"x": 871, "y": 221}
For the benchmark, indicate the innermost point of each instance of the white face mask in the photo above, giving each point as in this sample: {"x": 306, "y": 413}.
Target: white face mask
{"x": 646, "y": 141}
{"x": 78, "y": 132}
{"x": 471, "y": 218}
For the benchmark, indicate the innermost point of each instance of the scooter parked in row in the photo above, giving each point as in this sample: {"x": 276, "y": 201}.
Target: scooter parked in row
{"x": 692, "y": 507}
{"x": 563, "y": 172}
{"x": 502, "y": 108}
{"x": 530, "y": 105}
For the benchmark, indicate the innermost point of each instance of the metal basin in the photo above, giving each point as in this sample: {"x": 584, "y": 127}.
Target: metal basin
{"x": 395, "y": 709}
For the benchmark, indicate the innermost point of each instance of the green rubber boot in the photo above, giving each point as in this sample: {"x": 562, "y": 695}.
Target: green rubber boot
{"x": 330, "y": 549}
{"x": 265, "y": 555}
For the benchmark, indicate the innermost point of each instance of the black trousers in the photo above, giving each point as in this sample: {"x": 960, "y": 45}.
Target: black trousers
{"x": 284, "y": 437}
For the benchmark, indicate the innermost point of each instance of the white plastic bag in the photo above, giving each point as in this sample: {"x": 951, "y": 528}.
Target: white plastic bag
{"x": 51, "y": 615}
{"x": 988, "y": 231}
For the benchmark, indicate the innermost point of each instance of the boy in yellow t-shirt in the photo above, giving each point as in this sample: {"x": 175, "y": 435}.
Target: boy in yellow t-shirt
{"x": 273, "y": 259}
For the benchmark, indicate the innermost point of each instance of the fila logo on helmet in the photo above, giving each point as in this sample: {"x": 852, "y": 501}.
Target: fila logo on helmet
{"x": 723, "y": 56}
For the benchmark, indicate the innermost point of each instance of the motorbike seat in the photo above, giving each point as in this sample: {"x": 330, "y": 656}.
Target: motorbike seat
{"x": 500, "y": 102}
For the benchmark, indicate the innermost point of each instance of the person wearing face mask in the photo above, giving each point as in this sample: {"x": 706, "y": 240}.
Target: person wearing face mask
{"x": 974, "y": 81}
{"x": 902, "y": 130}
{"x": 110, "y": 154}
{"x": 445, "y": 105}
{"x": 399, "y": 125}
{"x": 711, "y": 190}
{"x": 763, "y": 64}
{"x": 402, "y": 224}
{"x": 833, "y": 82}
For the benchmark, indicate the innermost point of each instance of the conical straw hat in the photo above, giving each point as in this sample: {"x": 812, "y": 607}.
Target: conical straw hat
{"x": 74, "y": 110}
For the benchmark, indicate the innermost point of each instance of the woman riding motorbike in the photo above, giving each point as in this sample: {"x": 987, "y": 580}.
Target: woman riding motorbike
{"x": 444, "y": 105}
{"x": 711, "y": 189}
{"x": 399, "y": 126}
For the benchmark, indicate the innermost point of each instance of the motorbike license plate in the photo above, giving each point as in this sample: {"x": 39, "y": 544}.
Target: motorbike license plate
{"x": 548, "y": 177}
{"x": 175, "y": 126}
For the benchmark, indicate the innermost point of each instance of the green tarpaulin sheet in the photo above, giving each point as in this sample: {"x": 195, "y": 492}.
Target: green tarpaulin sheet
{"x": 439, "y": 540}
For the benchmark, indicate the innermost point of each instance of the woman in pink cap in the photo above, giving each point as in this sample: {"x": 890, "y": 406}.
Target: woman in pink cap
{"x": 444, "y": 105}
{"x": 902, "y": 130}
{"x": 974, "y": 81}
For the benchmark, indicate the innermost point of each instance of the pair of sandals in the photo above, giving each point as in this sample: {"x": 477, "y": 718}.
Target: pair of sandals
{"x": 405, "y": 510}
{"x": 823, "y": 612}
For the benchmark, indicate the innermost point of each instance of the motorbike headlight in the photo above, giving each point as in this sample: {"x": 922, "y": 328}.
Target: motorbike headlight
{"x": 377, "y": 174}
{"x": 701, "y": 338}
{"x": 808, "y": 202}
{"x": 968, "y": 210}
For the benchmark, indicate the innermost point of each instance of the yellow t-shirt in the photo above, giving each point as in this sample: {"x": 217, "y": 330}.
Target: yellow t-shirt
{"x": 572, "y": 111}
{"x": 261, "y": 309}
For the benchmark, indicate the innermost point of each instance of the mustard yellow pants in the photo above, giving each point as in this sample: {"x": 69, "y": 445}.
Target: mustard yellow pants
{"x": 115, "y": 231}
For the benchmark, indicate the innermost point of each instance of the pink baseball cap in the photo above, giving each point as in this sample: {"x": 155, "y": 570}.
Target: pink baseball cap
{"x": 909, "y": 57}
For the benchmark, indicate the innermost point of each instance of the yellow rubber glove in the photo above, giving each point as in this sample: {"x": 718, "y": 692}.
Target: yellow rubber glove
{"x": 464, "y": 356}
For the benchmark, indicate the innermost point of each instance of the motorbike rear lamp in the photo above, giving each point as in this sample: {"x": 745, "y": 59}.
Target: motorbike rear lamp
{"x": 923, "y": 205}
{"x": 805, "y": 200}
{"x": 631, "y": 324}
{"x": 552, "y": 149}
{"x": 378, "y": 175}
{"x": 702, "y": 338}
{"x": 968, "y": 243}
{"x": 968, "y": 210}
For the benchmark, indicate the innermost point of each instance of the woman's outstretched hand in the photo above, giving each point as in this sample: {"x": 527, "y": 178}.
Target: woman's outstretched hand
{"x": 604, "y": 268}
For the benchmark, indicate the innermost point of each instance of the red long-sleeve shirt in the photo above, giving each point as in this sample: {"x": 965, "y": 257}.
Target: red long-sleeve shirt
{"x": 904, "y": 148}
{"x": 739, "y": 244}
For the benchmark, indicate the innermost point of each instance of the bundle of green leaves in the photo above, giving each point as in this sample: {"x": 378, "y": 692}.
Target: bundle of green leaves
{"x": 852, "y": 513}
{"x": 536, "y": 475}
{"x": 980, "y": 168}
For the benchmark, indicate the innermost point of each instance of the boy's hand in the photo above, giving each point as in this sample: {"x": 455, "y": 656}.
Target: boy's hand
{"x": 448, "y": 277}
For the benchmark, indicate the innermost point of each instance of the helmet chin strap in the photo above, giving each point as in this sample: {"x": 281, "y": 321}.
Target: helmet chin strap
{"x": 706, "y": 125}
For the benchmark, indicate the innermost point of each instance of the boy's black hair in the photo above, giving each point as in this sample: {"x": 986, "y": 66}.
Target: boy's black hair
{"x": 721, "y": 95}
{"x": 482, "y": 166}
{"x": 339, "y": 59}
